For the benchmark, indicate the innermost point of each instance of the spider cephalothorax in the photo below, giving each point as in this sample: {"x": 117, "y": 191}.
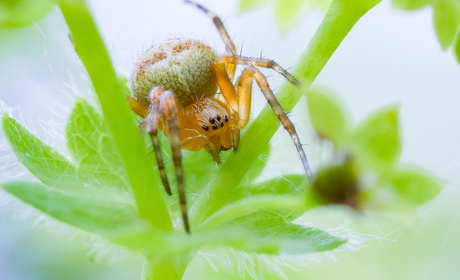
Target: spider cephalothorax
{"x": 174, "y": 88}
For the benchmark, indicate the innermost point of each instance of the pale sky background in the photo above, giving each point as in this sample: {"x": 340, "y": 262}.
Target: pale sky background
{"x": 390, "y": 56}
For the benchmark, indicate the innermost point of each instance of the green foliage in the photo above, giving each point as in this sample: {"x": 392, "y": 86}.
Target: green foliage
{"x": 328, "y": 117}
{"x": 248, "y": 5}
{"x": 374, "y": 147}
{"x": 446, "y": 17}
{"x": 20, "y": 13}
{"x": 415, "y": 185}
{"x": 288, "y": 13}
{"x": 376, "y": 140}
{"x": 93, "y": 149}
{"x": 109, "y": 187}
{"x": 92, "y": 193}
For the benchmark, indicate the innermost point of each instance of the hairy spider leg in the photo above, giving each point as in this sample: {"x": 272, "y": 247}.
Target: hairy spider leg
{"x": 163, "y": 111}
{"x": 229, "y": 45}
{"x": 253, "y": 72}
{"x": 259, "y": 62}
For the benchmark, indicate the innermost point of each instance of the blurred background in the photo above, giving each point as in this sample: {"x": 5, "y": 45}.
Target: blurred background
{"x": 390, "y": 56}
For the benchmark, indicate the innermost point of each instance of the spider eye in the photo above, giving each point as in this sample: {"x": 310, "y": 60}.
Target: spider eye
{"x": 214, "y": 127}
{"x": 225, "y": 118}
{"x": 218, "y": 118}
{"x": 205, "y": 127}
{"x": 212, "y": 120}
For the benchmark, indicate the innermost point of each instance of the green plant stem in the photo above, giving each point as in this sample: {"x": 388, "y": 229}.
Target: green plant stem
{"x": 250, "y": 205}
{"x": 164, "y": 268}
{"x": 91, "y": 49}
{"x": 340, "y": 18}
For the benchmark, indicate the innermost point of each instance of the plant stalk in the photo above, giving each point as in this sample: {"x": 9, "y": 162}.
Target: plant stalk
{"x": 340, "y": 18}
{"x": 92, "y": 51}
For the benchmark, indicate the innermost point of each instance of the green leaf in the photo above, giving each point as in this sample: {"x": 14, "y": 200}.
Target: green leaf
{"x": 290, "y": 206}
{"x": 292, "y": 238}
{"x": 288, "y": 12}
{"x": 41, "y": 160}
{"x": 457, "y": 46}
{"x": 376, "y": 140}
{"x": 249, "y": 5}
{"x": 93, "y": 149}
{"x": 288, "y": 184}
{"x": 329, "y": 116}
{"x": 250, "y": 235}
{"x": 446, "y": 20}
{"x": 20, "y": 13}
{"x": 414, "y": 185}
{"x": 410, "y": 5}
{"x": 90, "y": 211}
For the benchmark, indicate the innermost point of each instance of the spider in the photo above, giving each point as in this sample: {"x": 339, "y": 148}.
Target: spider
{"x": 174, "y": 87}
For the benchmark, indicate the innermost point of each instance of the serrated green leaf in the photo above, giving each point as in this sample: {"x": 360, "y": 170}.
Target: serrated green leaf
{"x": 329, "y": 117}
{"x": 249, "y": 5}
{"x": 41, "y": 160}
{"x": 414, "y": 185}
{"x": 93, "y": 149}
{"x": 90, "y": 211}
{"x": 376, "y": 140}
{"x": 20, "y": 13}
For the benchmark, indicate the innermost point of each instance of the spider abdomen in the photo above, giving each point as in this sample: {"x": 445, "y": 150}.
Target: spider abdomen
{"x": 184, "y": 66}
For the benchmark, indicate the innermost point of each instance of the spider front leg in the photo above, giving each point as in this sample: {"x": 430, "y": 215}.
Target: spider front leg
{"x": 239, "y": 100}
{"x": 163, "y": 112}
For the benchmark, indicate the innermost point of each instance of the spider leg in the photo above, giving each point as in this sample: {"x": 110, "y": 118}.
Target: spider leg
{"x": 229, "y": 45}
{"x": 163, "y": 110}
{"x": 260, "y": 62}
{"x": 282, "y": 116}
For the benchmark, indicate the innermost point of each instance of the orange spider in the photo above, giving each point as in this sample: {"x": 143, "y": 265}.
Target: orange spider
{"x": 174, "y": 88}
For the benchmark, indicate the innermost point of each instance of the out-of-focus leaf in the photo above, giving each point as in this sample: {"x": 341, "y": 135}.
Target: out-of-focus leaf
{"x": 335, "y": 185}
{"x": 446, "y": 20}
{"x": 287, "y": 12}
{"x": 93, "y": 149}
{"x": 329, "y": 117}
{"x": 446, "y": 17}
{"x": 20, "y": 13}
{"x": 91, "y": 211}
{"x": 248, "y": 5}
{"x": 414, "y": 185}
{"x": 41, "y": 160}
{"x": 457, "y": 46}
{"x": 376, "y": 140}
{"x": 410, "y": 5}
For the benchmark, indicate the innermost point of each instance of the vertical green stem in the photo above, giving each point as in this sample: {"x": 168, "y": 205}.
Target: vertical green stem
{"x": 94, "y": 55}
{"x": 340, "y": 18}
